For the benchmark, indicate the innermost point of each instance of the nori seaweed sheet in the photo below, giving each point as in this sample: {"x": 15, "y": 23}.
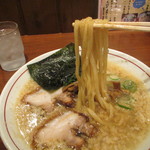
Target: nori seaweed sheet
{"x": 55, "y": 71}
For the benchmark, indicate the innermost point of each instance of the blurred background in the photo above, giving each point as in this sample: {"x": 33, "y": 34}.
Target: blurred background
{"x": 56, "y": 16}
{"x": 46, "y": 16}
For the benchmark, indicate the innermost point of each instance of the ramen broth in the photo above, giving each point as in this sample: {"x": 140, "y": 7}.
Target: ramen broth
{"x": 121, "y": 129}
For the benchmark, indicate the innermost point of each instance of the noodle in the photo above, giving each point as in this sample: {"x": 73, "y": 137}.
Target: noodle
{"x": 92, "y": 80}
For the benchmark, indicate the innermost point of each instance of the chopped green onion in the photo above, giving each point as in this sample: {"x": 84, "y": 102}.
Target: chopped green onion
{"x": 129, "y": 85}
{"x": 125, "y": 101}
{"x": 122, "y": 106}
{"x": 113, "y": 78}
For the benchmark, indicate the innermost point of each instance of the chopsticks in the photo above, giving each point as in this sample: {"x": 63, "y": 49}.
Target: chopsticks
{"x": 137, "y": 26}
{"x": 132, "y": 23}
{"x": 122, "y": 26}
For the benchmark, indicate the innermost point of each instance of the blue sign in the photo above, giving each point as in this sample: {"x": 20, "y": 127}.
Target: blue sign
{"x": 139, "y": 3}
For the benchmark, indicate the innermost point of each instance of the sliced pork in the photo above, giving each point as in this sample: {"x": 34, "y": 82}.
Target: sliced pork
{"x": 42, "y": 98}
{"x": 73, "y": 88}
{"x": 47, "y": 100}
{"x": 68, "y": 96}
{"x": 65, "y": 128}
{"x": 65, "y": 99}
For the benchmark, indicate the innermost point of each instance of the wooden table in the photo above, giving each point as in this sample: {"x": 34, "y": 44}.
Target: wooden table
{"x": 136, "y": 44}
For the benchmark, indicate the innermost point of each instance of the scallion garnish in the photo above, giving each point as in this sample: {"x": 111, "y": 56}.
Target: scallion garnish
{"x": 129, "y": 85}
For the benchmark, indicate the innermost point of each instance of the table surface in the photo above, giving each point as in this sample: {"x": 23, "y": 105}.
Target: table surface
{"x": 136, "y": 44}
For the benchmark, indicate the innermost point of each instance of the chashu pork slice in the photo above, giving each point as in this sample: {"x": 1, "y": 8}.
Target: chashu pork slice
{"x": 67, "y": 128}
{"x": 47, "y": 100}
{"x": 42, "y": 98}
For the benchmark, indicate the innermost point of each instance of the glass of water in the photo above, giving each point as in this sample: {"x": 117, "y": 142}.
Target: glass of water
{"x": 11, "y": 46}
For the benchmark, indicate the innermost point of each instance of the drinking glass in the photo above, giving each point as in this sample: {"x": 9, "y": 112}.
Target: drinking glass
{"x": 11, "y": 46}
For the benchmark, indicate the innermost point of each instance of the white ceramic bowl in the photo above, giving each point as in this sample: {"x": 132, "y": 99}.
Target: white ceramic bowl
{"x": 8, "y": 127}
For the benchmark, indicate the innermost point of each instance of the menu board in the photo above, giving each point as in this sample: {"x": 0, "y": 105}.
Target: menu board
{"x": 125, "y": 10}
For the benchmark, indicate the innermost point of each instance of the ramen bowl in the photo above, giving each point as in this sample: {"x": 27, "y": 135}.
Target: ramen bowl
{"x": 8, "y": 126}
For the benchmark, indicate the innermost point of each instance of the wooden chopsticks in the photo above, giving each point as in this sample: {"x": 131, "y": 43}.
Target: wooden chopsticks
{"x": 123, "y": 27}
{"x": 138, "y": 26}
{"x": 132, "y": 23}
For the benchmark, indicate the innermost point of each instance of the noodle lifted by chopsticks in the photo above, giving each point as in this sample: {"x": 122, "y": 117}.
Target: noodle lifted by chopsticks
{"x": 92, "y": 79}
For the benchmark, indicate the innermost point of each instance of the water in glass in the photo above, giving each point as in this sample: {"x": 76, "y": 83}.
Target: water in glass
{"x": 11, "y": 49}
